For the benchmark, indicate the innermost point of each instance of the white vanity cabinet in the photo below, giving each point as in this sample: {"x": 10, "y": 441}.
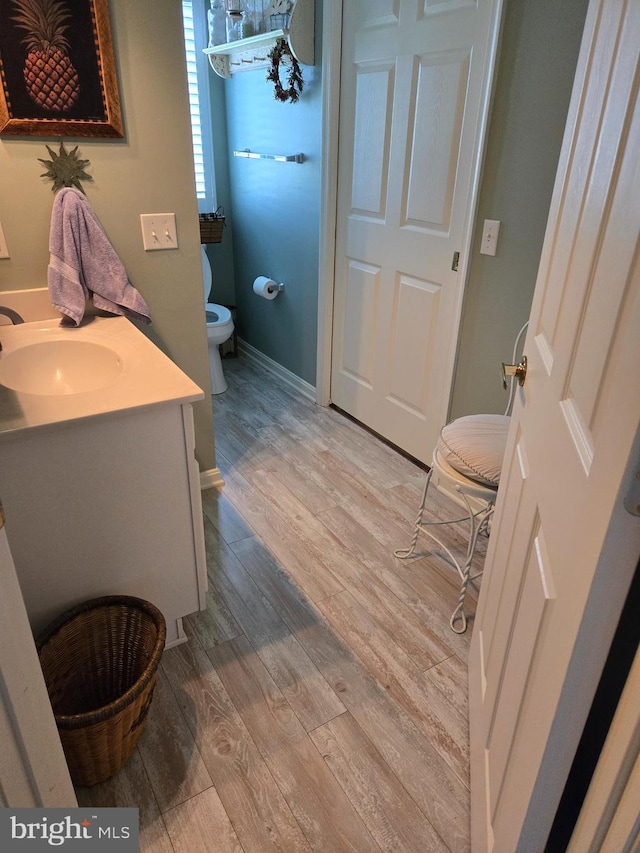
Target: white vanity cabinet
{"x": 108, "y": 503}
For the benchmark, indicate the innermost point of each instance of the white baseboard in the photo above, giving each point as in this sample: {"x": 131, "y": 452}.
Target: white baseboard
{"x": 175, "y": 633}
{"x": 210, "y": 478}
{"x": 307, "y": 390}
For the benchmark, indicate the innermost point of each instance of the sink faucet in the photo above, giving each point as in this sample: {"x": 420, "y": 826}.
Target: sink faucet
{"x": 12, "y": 315}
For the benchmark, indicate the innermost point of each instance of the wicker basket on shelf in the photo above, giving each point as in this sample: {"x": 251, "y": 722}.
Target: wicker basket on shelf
{"x": 211, "y": 227}
{"x": 99, "y": 662}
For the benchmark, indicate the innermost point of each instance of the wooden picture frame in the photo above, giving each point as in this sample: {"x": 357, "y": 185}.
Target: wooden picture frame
{"x": 69, "y": 90}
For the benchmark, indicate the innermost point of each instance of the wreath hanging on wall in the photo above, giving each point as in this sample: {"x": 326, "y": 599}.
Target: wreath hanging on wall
{"x": 295, "y": 83}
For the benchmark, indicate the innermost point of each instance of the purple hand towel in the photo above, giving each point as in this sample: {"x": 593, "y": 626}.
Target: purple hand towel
{"x": 83, "y": 262}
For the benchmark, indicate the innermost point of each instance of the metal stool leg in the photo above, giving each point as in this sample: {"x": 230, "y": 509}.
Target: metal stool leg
{"x": 404, "y": 553}
{"x": 459, "y": 614}
{"x": 477, "y": 522}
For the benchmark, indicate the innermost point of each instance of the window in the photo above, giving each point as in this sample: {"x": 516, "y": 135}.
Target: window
{"x": 195, "y": 29}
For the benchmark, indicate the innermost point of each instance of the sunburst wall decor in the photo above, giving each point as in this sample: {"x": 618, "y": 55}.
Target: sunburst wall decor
{"x": 65, "y": 169}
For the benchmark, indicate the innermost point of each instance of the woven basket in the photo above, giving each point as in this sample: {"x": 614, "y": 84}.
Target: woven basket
{"x": 211, "y": 227}
{"x": 100, "y": 662}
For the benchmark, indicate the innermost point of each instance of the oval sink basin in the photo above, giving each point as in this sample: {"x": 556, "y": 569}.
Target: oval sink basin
{"x": 55, "y": 367}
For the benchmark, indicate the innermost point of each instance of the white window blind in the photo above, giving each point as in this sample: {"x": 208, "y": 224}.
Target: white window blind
{"x": 197, "y": 75}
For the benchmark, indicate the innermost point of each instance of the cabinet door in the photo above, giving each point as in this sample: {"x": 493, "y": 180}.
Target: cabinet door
{"x": 116, "y": 505}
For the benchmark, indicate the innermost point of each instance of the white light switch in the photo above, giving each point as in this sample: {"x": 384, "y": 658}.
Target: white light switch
{"x": 490, "y": 236}
{"x": 4, "y": 249}
{"x": 158, "y": 231}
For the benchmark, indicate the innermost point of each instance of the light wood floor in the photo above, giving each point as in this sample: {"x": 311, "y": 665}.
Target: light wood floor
{"x": 320, "y": 704}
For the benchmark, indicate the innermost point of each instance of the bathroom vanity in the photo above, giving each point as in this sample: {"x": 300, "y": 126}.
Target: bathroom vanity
{"x": 97, "y": 470}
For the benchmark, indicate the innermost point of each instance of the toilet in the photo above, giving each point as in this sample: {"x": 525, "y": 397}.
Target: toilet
{"x": 219, "y": 329}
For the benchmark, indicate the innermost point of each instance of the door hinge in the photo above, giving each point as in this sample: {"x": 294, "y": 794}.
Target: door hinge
{"x": 454, "y": 262}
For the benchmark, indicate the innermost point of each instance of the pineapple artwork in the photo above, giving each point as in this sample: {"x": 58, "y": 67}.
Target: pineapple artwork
{"x": 57, "y": 69}
{"x": 50, "y": 78}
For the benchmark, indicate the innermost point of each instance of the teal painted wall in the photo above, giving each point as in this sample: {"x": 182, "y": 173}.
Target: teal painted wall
{"x": 273, "y": 210}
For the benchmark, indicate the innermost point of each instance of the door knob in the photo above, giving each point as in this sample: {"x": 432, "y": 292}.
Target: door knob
{"x": 517, "y": 370}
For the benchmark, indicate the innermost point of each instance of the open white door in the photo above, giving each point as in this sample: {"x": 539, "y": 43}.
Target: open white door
{"x": 608, "y": 821}
{"x": 563, "y": 547}
{"x": 415, "y": 84}
{"x": 33, "y": 770}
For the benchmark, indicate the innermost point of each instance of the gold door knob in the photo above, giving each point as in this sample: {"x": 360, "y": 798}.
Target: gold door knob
{"x": 517, "y": 370}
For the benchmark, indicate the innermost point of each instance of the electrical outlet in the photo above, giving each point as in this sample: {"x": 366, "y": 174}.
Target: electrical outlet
{"x": 4, "y": 249}
{"x": 490, "y": 236}
{"x": 158, "y": 231}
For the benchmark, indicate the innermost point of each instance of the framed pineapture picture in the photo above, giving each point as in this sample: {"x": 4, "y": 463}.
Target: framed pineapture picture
{"x": 57, "y": 70}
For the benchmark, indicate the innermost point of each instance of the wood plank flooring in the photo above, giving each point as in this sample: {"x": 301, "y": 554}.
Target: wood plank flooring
{"x": 321, "y": 701}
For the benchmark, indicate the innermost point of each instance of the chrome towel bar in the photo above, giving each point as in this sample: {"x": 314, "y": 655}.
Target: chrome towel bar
{"x": 282, "y": 158}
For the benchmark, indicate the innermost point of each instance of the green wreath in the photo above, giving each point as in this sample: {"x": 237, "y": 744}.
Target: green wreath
{"x": 295, "y": 83}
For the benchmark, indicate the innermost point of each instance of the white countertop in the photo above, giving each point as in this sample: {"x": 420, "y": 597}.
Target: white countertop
{"x": 145, "y": 377}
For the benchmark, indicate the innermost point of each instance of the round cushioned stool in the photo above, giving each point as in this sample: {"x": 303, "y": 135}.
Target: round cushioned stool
{"x": 475, "y": 446}
{"x": 466, "y": 466}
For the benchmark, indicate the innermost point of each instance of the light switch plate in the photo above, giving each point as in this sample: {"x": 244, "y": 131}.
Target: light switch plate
{"x": 490, "y": 236}
{"x": 4, "y": 249}
{"x": 158, "y": 231}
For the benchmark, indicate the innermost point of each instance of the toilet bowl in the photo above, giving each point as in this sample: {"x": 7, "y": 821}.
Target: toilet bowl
{"x": 219, "y": 329}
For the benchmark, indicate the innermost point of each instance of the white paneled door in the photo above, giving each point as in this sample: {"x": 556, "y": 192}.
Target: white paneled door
{"x": 415, "y": 83}
{"x": 564, "y": 546}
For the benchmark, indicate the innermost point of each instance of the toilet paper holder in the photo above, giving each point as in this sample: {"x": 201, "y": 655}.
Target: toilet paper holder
{"x": 274, "y": 286}
{"x": 266, "y": 287}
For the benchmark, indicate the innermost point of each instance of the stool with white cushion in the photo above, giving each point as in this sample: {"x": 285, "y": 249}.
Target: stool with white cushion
{"x": 466, "y": 467}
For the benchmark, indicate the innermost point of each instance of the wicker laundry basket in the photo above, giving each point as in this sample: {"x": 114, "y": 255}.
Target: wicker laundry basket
{"x": 100, "y": 662}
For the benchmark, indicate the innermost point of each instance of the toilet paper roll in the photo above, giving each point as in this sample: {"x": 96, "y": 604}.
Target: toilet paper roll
{"x": 265, "y": 287}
